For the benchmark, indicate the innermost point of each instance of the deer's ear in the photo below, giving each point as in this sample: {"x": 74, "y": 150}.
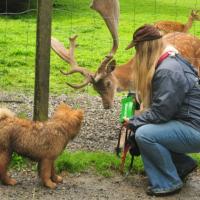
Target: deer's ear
{"x": 111, "y": 66}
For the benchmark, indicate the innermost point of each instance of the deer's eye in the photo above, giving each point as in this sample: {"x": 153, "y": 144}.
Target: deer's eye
{"x": 108, "y": 84}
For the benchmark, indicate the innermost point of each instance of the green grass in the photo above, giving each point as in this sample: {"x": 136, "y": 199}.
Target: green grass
{"x": 18, "y": 38}
{"x": 18, "y": 162}
{"x": 100, "y": 163}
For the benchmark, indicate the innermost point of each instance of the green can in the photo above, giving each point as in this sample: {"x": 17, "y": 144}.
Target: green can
{"x": 127, "y": 106}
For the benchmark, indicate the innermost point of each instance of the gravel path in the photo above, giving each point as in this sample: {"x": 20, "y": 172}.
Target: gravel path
{"x": 87, "y": 186}
{"x": 100, "y": 127}
{"x": 99, "y": 132}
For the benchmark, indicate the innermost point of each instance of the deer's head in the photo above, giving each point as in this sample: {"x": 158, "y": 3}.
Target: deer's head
{"x": 102, "y": 80}
{"x": 105, "y": 83}
{"x": 195, "y": 15}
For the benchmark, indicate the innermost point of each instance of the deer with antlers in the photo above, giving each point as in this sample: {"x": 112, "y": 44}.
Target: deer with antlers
{"x": 108, "y": 78}
{"x": 171, "y": 26}
{"x": 109, "y": 10}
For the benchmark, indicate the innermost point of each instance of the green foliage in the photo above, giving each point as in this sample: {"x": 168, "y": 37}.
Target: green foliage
{"x": 23, "y": 115}
{"x": 101, "y": 162}
{"x": 18, "y": 162}
{"x": 196, "y": 156}
{"x": 18, "y": 38}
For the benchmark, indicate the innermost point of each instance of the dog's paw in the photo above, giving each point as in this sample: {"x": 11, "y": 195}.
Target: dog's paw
{"x": 10, "y": 181}
{"x": 57, "y": 179}
{"x": 50, "y": 185}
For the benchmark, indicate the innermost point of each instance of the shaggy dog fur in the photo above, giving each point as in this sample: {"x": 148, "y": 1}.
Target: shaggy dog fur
{"x": 40, "y": 141}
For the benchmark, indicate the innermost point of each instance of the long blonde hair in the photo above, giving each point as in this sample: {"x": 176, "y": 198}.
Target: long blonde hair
{"x": 146, "y": 58}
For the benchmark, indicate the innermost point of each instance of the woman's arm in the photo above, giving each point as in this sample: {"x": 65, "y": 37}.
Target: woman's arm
{"x": 169, "y": 89}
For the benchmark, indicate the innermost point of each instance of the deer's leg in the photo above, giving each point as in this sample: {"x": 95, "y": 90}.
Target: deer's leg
{"x": 55, "y": 178}
{"x": 44, "y": 169}
{"x": 4, "y": 162}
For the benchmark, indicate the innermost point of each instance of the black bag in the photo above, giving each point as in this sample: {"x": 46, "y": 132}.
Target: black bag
{"x": 129, "y": 145}
{"x": 134, "y": 150}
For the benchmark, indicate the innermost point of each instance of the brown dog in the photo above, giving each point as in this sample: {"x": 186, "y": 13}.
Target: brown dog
{"x": 40, "y": 141}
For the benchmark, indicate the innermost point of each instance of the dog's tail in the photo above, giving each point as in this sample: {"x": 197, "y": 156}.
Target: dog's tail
{"x": 5, "y": 113}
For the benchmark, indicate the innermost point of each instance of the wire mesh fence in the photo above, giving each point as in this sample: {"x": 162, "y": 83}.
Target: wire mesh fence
{"x": 17, "y": 44}
{"x": 18, "y": 36}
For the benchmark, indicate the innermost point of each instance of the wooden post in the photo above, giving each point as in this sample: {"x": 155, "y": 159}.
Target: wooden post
{"x": 42, "y": 69}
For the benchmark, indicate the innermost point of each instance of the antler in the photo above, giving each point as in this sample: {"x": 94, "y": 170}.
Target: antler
{"x": 109, "y": 10}
{"x": 68, "y": 56}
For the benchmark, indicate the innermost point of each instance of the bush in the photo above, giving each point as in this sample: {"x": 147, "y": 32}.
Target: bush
{"x": 16, "y": 5}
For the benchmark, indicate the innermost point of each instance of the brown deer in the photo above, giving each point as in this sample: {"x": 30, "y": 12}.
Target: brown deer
{"x": 172, "y": 26}
{"x": 111, "y": 78}
{"x": 109, "y": 10}
{"x": 108, "y": 78}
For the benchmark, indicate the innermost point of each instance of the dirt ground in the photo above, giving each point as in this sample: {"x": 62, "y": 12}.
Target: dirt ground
{"x": 87, "y": 186}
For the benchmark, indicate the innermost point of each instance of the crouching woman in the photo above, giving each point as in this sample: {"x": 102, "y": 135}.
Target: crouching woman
{"x": 169, "y": 126}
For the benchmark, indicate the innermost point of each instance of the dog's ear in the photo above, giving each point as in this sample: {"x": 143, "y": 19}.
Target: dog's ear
{"x": 5, "y": 113}
{"x": 79, "y": 114}
{"x": 63, "y": 106}
{"x": 67, "y": 107}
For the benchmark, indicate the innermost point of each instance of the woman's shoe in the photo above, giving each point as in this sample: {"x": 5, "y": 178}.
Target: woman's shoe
{"x": 183, "y": 174}
{"x": 184, "y": 164}
{"x": 150, "y": 192}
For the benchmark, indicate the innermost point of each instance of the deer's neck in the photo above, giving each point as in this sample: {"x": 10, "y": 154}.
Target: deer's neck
{"x": 124, "y": 76}
{"x": 188, "y": 25}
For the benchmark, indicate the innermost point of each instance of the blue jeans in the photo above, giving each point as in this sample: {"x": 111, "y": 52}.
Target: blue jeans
{"x": 156, "y": 143}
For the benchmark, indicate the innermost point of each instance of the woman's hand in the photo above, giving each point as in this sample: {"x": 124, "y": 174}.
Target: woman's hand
{"x": 126, "y": 122}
